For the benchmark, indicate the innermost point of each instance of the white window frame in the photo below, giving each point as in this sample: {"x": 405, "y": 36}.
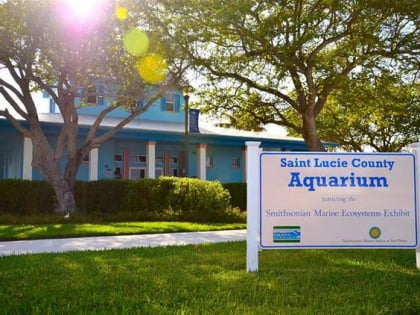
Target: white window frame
{"x": 135, "y": 168}
{"x": 170, "y": 103}
{"x": 236, "y": 163}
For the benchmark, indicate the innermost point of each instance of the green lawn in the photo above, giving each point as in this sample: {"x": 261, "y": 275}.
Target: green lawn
{"x": 28, "y": 231}
{"x": 211, "y": 279}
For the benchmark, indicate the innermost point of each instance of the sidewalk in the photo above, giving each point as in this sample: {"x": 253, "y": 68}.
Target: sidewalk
{"x": 115, "y": 242}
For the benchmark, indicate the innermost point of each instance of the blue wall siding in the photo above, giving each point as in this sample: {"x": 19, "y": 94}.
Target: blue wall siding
{"x": 222, "y": 164}
{"x": 11, "y": 150}
{"x": 106, "y": 160}
{"x": 83, "y": 173}
{"x": 36, "y": 175}
{"x": 156, "y": 112}
{"x": 16, "y": 162}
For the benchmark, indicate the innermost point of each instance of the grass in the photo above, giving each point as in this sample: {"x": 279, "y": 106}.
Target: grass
{"x": 211, "y": 279}
{"x": 42, "y": 231}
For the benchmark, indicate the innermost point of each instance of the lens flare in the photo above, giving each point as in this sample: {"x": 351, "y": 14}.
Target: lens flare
{"x": 121, "y": 13}
{"x": 136, "y": 42}
{"x": 153, "y": 68}
{"x": 81, "y": 9}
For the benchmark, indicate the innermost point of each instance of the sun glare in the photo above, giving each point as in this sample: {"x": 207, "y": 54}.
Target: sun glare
{"x": 82, "y": 9}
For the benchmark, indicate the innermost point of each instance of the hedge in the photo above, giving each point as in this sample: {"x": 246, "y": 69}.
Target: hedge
{"x": 166, "y": 198}
{"x": 24, "y": 197}
{"x": 237, "y": 193}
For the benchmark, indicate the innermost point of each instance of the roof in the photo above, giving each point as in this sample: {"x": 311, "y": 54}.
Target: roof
{"x": 205, "y": 127}
{"x": 175, "y": 132}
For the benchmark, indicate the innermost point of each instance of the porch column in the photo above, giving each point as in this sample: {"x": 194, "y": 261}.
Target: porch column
{"x": 27, "y": 158}
{"x": 150, "y": 159}
{"x": 201, "y": 161}
{"x": 93, "y": 164}
{"x": 126, "y": 160}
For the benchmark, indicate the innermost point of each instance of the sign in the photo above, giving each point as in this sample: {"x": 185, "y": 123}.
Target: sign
{"x": 334, "y": 200}
{"x": 193, "y": 118}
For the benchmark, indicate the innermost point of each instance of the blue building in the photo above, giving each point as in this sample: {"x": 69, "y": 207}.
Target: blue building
{"x": 152, "y": 145}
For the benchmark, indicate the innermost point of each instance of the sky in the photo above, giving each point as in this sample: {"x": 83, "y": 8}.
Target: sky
{"x": 42, "y": 103}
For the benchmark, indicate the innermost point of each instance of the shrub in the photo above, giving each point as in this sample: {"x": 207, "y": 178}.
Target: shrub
{"x": 197, "y": 200}
{"x": 237, "y": 193}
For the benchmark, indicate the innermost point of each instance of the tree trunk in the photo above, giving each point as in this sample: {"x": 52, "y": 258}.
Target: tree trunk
{"x": 310, "y": 133}
{"x": 63, "y": 189}
{"x": 64, "y": 195}
{"x": 45, "y": 161}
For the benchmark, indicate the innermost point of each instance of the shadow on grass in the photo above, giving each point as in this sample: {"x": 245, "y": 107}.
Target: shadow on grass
{"x": 211, "y": 279}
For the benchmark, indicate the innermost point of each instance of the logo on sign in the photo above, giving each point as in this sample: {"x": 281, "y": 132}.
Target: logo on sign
{"x": 286, "y": 234}
{"x": 375, "y": 232}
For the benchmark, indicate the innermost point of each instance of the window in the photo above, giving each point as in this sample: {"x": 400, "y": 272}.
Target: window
{"x": 160, "y": 160}
{"x": 137, "y": 172}
{"x": 170, "y": 106}
{"x": 209, "y": 161}
{"x": 100, "y": 95}
{"x": 137, "y": 158}
{"x": 91, "y": 94}
{"x": 236, "y": 163}
{"x": 170, "y": 103}
{"x": 117, "y": 173}
{"x": 94, "y": 94}
{"x": 118, "y": 158}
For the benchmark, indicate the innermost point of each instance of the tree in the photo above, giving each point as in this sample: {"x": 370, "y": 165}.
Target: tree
{"x": 261, "y": 57}
{"x": 376, "y": 112}
{"x": 46, "y": 46}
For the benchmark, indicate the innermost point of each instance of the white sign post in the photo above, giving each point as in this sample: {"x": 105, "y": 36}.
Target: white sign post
{"x": 416, "y": 148}
{"x": 253, "y": 184}
{"x": 331, "y": 200}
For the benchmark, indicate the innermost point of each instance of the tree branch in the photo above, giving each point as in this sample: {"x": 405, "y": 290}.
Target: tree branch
{"x": 12, "y": 102}
{"x": 5, "y": 113}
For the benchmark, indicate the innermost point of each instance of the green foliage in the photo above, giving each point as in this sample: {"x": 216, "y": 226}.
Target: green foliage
{"x": 191, "y": 197}
{"x": 148, "y": 197}
{"x": 101, "y": 197}
{"x": 238, "y": 194}
{"x": 166, "y": 198}
{"x": 211, "y": 279}
{"x": 23, "y": 197}
{"x": 46, "y": 46}
{"x": 259, "y": 57}
{"x": 378, "y": 111}
{"x": 180, "y": 198}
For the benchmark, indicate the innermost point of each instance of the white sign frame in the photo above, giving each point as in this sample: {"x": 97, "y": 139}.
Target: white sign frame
{"x": 254, "y": 207}
{"x": 337, "y": 200}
